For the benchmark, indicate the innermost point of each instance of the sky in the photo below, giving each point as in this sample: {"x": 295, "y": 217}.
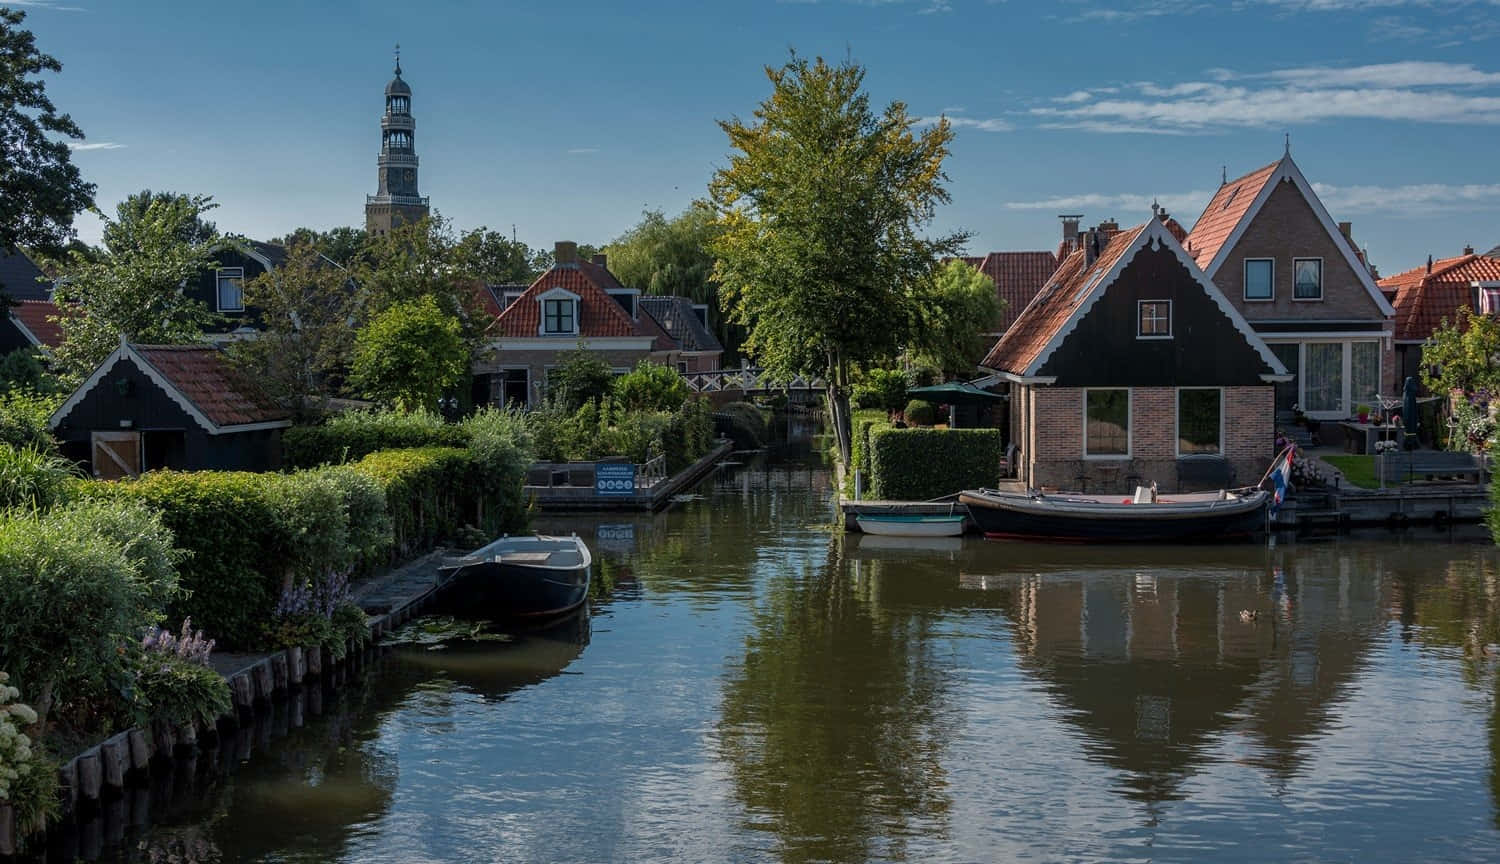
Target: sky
{"x": 565, "y": 120}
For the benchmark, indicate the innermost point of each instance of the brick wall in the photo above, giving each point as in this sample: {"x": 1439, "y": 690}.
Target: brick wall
{"x": 1054, "y": 419}
{"x": 539, "y": 361}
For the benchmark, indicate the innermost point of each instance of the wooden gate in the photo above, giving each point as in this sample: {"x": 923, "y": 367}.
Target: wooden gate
{"x": 116, "y": 455}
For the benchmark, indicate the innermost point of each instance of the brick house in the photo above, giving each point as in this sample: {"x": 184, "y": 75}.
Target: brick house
{"x": 1424, "y": 297}
{"x": 576, "y": 304}
{"x": 1130, "y": 366}
{"x": 1271, "y": 247}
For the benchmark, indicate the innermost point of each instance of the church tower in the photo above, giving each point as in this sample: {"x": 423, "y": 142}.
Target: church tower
{"x": 397, "y": 201}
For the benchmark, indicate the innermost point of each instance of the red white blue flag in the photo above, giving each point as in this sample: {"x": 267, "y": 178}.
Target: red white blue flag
{"x": 1281, "y": 478}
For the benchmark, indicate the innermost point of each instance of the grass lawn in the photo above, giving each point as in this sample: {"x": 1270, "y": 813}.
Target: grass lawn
{"x": 1357, "y": 470}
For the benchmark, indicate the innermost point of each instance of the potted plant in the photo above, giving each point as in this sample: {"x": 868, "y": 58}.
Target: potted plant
{"x": 1363, "y": 411}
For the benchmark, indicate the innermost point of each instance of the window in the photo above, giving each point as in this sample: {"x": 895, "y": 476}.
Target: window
{"x": 1199, "y": 420}
{"x": 1154, "y": 320}
{"x": 231, "y": 282}
{"x": 1260, "y": 279}
{"x": 1323, "y": 386}
{"x": 558, "y": 316}
{"x": 1489, "y": 300}
{"x": 1309, "y": 278}
{"x": 1106, "y": 422}
{"x": 1364, "y": 373}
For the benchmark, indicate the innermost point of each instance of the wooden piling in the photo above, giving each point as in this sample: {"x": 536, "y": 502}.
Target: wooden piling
{"x": 90, "y": 774}
{"x": 114, "y": 754}
{"x": 140, "y": 749}
{"x": 296, "y": 665}
{"x": 7, "y": 830}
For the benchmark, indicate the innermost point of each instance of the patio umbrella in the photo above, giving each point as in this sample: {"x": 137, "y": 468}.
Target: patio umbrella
{"x": 1409, "y": 417}
{"x": 954, "y": 393}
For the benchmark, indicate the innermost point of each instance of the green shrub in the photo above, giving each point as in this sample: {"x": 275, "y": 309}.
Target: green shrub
{"x": 73, "y": 594}
{"x": 31, "y": 478}
{"x": 502, "y": 449}
{"x": 23, "y": 419}
{"x": 28, "y": 778}
{"x": 368, "y": 538}
{"x": 690, "y": 435}
{"x": 883, "y": 389}
{"x": 651, "y": 387}
{"x": 426, "y": 490}
{"x": 23, "y": 369}
{"x": 351, "y": 436}
{"x": 919, "y": 464}
{"x": 546, "y": 425}
{"x": 179, "y": 690}
{"x": 580, "y": 377}
{"x": 919, "y": 413}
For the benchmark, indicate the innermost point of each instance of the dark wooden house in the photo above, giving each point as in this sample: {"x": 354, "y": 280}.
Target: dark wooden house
{"x": 221, "y": 289}
{"x": 23, "y": 294}
{"x": 1130, "y": 366}
{"x": 169, "y": 406}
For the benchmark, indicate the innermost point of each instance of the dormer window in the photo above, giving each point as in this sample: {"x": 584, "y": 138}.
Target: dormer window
{"x": 558, "y": 316}
{"x": 231, "y": 288}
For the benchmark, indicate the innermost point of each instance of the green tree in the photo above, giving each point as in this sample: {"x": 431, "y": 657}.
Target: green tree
{"x": 494, "y": 258}
{"x": 960, "y": 309}
{"x": 307, "y": 305}
{"x": 134, "y": 290}
{"x": 580, "y": 376}
{"x": 184, "y": 212}
{"x": 670, "y": 257}
{"x": 822, "y": 206}
{"x": 342, "y": 245}
{"x": 423, "y": 259}
{"x": 409, "y": 355}
{"x": 651, "y": 387}
{"x": 40, "y": 188}
{"x": 1464, "y": 353}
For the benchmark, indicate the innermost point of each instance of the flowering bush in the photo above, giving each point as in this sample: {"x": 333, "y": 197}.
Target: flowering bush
{"x": 174, "y": 681}
{"x": 1383, "y": 447}
{"x": 1309, "y": 473}
{"x": 1473, "y": 423}
{"x": 319, "y": 613}
{"x": 28, "y": 779}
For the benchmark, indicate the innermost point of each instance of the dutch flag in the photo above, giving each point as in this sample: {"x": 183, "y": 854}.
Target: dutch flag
{"x": 1281, "y": 478}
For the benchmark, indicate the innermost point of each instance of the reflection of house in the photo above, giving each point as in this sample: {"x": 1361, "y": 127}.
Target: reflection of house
{"x": 695, "y": 348}
{"x": 1424, "y": 297}
{"x": 169, "y": 406}
{"x": 576, "y": 304}
{"x": 1270, "y": 246}
{"x": 1131, "y": 366}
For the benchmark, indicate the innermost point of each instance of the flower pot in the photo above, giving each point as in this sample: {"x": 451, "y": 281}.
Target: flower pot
{"x": 1364, "y": 418}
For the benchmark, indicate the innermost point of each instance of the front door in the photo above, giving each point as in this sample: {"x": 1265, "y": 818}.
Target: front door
{"x": 515, "y": 388}
{"x": 116, "y": 455}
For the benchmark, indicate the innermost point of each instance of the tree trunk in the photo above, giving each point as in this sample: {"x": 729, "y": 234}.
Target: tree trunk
{"x": 838, "y": 406}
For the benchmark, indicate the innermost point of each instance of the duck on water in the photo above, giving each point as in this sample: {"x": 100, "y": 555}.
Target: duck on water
{"x": 522, "y": 577}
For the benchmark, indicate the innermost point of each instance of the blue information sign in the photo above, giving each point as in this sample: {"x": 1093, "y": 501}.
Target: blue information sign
{"x": 614, "y": 478}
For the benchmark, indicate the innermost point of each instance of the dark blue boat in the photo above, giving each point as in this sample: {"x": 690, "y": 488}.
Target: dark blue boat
{"x": 1072, "y": 517}
{"x": 522, "y": 577}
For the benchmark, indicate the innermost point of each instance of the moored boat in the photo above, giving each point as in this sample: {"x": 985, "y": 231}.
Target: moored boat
{"x": 523, "y": 577}
{"x": 911, "y": 524}
{"x": 1074, "y": 517}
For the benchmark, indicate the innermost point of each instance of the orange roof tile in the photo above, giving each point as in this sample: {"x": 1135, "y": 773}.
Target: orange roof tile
{"x": 204, "y": 376}
{"x": 1424, "y": 299}
{"x": 36, "y": 316}
{"x": 1055, "y": 304}
{"x": 599, "y": 315}
{"x": 1224, "y": 212}
{"x": 1017, "y": 277}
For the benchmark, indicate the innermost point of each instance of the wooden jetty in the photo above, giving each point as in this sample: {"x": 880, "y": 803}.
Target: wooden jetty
{"x": 570, "y": 487}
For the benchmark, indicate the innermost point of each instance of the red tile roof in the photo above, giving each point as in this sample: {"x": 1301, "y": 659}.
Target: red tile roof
{"x": 204, "y": 376}
{"x": 35, "y": 316}
{"x": 599, "y": 315}
{"x": 1224, "y": 212}
{"x": 1050, "y": 310}
{"x": 1423, "y": 298}
{"x": 1017, "y": 277}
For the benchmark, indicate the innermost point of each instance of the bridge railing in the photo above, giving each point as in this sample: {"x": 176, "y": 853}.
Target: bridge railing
{"x": 750, "y": 380}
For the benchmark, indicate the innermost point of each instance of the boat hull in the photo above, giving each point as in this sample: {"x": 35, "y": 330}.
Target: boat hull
{"x": 1074, "y": 520}
{"x": 911, "y": 526}
{"x": 487, "y": 584}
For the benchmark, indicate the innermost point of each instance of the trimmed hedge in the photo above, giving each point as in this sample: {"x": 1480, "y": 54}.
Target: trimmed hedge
{"x": 918, "y": 464}
{"x": 429, "y": 492}
{"x": 352, "y": 436}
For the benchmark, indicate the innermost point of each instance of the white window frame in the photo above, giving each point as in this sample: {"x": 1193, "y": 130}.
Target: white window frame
{"x": 1177, "y": 422}
{"x": 556, "y": 294}
{"x": 1140, "y": 307}
{"x": 1346, "y": 370}
{"x": 1322, "y": 280}
{"x": 228, "y": 273}
{"x": 1129, "y": 426}
{"x": 1245, "y": 281}
{"x": 1479, "y": 301}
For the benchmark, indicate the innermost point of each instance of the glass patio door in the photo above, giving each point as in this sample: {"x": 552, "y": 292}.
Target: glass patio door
{"x": 1323, "y": 377}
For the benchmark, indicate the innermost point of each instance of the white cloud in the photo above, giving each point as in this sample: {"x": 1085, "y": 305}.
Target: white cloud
{"x": 1351, "y": 200}
{"x": 1128, "y": 207}
{"x": 44, "y": 4}
{"x": 958, "y": 121}
{"x": 580, "y": 151}
{"x": 1075, "y": 96}
{"x": 1413, "y": 91}
{"x": 77, "y": 147}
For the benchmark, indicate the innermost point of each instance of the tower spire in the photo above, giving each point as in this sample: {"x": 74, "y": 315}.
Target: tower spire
{"x": 398, "y": 59}
{"x": 1288, "y": 144}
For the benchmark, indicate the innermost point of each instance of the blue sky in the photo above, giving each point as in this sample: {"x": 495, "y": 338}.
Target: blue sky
{"x": 566, "y": 119}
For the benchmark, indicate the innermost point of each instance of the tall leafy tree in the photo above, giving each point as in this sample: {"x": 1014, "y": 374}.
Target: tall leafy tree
{"x": 822, "y": 207}
{"x": 409, "y": 355}
{"x": 494, "y": 258}
{"x": 423, "y": 259}
{"x": 960, "y": 309}
{"x": 40, "y": 188}
{"x": 671, "y": 257}
{"x": 1464, "y": 354}
{"x": 307, "y": 305}
{"x": 342, "y": 245}
{"x": 188, "y": 219}
{"x": 134, "y": 289}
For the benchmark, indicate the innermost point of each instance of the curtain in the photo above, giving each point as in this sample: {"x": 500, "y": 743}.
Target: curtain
{"x": 1323, "y": 386}
{"x": 1364, "y": 373}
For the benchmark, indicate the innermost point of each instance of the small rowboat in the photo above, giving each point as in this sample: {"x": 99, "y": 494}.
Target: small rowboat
{"x": 522, "y": 577}
{"x": 911, "y": 525}
{"x": 1073, "y": 517}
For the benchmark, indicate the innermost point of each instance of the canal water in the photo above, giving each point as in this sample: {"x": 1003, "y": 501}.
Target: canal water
{"x": 758, "y": 687}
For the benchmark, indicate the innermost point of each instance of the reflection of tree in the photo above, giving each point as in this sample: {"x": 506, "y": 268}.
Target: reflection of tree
{"x": 1461, "y": 610}
{"x": 835, "y": 723}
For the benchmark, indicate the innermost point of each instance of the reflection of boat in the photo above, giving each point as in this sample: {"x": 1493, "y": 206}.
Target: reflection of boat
{"x": 1068, "y": 516}
{"x": 911, "y": 524}
{"x": 884, "y": 543}
{"x": 523, "y": 576}
{"x": 493, "y": 668}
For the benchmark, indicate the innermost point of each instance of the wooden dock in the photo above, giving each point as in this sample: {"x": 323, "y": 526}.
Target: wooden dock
{"x": 576, "y": 499}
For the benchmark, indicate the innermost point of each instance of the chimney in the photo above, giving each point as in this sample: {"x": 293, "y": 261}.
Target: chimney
{"x": 1429, "y": 263}
{"x": 1070, "y": 231}
{"x": 565, "y": 254}
{"x": 1468, "y": 250}
{"x": 601, "y": 261}
{"x": 1108, "y": 228}
{"x": 1090, "y": 246}
{"x": 1347, "y": 229}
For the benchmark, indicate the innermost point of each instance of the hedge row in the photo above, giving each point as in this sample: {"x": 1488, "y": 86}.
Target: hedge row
{"x": 352, "y": 436}
{"x": 250, "y": 536}
{"x": 919, "y": 464}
